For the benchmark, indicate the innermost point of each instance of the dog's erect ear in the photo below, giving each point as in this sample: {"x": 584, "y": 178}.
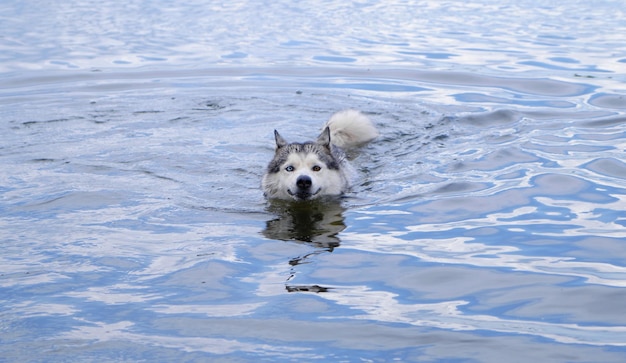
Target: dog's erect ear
{"x": 324, "y": 138}
{"x": 280, "y": 142}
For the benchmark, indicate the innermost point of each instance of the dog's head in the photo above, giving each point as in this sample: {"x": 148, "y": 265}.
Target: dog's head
{"x": 303, "y": 171}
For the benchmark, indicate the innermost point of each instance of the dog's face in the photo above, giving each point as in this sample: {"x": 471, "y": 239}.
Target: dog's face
{"x": 303, "y": 171}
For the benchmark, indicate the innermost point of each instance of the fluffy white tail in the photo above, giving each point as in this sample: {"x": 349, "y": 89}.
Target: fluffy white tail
{"x": 350, "y": 128}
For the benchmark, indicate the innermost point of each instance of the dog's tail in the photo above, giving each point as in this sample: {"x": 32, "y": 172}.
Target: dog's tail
{"x": 350, "y": 128}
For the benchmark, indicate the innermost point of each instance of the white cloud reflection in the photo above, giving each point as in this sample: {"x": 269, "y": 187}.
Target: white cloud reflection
{"x": 384, "y": 306}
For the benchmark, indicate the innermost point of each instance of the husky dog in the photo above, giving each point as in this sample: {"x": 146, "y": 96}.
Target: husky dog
{"x": 309, "y": 170}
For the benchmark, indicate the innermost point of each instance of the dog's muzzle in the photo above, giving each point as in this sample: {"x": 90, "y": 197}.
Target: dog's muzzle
{"x": 303, "y": 188}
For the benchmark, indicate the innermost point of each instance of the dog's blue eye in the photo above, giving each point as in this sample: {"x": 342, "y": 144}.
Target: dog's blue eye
{"x": 317, "y": 168}
{"x": 290, "y": 168}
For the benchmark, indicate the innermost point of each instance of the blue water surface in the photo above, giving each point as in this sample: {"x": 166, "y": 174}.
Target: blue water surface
{"x": 488, "y": 222}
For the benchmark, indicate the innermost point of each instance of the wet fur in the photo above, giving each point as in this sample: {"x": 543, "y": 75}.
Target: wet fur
{"x": 313, "y": 169}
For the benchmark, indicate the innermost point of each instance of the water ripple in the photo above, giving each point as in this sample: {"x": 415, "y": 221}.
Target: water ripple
{"x": 135, "y": 135}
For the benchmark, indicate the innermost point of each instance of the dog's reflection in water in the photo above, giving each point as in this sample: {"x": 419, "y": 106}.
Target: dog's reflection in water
{"x": 316, "y": 222}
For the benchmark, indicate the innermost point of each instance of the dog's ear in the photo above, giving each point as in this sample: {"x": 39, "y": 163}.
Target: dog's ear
{"x": 324, "y": 138}
{"x": 280, "y": 142}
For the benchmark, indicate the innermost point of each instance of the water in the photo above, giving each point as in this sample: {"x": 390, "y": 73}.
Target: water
{"x": 487, "y": 225}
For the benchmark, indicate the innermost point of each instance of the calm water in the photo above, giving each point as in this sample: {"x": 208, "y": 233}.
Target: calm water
{"x": 488, "y": 224}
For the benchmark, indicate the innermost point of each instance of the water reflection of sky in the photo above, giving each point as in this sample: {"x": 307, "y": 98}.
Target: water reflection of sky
{"x": 492, "y": 206}
{"x": 509, "y": 37}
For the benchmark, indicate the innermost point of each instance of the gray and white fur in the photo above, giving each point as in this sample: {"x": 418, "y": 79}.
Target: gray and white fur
{"x": 313, "y": 169}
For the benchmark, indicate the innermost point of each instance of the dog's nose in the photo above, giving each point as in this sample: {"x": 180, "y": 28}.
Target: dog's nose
{"x": 304, "y": 182}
